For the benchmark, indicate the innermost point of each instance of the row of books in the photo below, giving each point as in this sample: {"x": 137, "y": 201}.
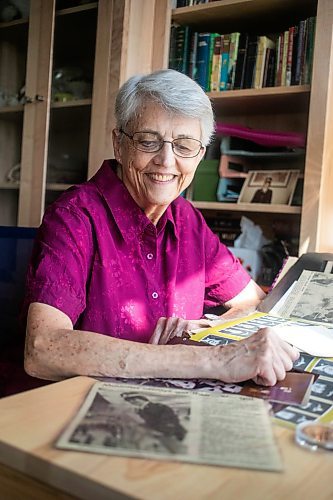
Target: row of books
{"x": 188, "y": 3}
{"x": 236, "y": 60}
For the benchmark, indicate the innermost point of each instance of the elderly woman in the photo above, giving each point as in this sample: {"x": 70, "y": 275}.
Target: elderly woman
{"x": 123, "y": 264}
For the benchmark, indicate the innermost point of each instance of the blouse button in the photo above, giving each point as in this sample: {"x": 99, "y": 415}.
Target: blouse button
{"x": 154, "y": 295}
{"x": 150, "y": 256}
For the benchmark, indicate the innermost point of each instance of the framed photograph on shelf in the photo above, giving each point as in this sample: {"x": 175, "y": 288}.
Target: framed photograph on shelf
{"x": 269, "y": 186}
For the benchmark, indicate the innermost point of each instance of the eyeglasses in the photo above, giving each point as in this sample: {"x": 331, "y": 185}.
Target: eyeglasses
{"x": 150, "y": 142}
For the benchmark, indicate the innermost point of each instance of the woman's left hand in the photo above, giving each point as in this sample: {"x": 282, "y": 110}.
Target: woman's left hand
{"x": 168, "y": 328}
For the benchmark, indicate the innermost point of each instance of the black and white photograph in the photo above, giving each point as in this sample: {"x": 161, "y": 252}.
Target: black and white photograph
{"x": 134, "y": 420}
{"x": 312, "y": 298}
{"x": 269, "y": 187}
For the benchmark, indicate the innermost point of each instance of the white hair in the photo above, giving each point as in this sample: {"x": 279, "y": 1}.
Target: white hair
{"x": 174, "y": 91}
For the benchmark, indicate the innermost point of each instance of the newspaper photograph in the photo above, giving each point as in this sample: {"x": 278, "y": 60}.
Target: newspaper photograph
{"x": 311, "y": 299}
{"x": 174, "y": 424}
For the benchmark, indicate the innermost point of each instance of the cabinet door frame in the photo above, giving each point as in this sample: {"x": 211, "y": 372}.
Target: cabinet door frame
{"x": 36, "y": 113}
{"x": 131, "y": 39}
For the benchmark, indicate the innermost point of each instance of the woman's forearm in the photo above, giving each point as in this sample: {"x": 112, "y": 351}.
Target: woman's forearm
{"x": 65, "y": 353}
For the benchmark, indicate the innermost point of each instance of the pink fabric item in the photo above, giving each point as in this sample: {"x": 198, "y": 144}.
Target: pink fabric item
{"x": 262, "y": 137}
{"x": 100, "y": 260}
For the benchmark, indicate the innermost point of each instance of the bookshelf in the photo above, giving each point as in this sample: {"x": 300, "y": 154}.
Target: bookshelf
{"x": 299, "y": 108}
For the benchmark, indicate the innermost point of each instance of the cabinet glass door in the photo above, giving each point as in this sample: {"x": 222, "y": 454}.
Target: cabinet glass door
{"x": 71, "y": 95}
{"x": 14, "y": 26}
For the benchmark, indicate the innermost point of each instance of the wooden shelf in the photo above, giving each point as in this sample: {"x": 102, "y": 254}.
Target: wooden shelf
{"x": 12, "y": 109}
{"x": 267, "y": 100}
{"x": 10, "y": 185}
{"x": 267, "y": 91}
{"x": 246, "y": 207}
{"x": 16, "y": 22}
{"x": 79, "y": 8}
{"x": 53, "y": 186}
{"x": 71, "y": 104}
{"x": 240, "y": 15}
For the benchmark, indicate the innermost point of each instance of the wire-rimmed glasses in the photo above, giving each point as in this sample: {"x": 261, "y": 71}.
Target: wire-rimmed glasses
{"x": 151, "y": 142}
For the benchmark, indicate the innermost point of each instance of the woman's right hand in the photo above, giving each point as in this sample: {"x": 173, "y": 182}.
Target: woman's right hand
{"x": 170, "y": 328}
{"x": 263, "y": 357}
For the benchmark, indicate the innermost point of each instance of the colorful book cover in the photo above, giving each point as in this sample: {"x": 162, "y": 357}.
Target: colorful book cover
{"x": 225, "y": 62}
{"x": 216, "y": 64}
{"x": 264, "y": 43}
{"x": 211, "y": 51}
{"x": 284, "y": 57}
{"x": 233, "y": 51}
{"x": 290, "y": 55}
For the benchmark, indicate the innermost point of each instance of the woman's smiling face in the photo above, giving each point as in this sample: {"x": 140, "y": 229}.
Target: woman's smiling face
{"x": 154, "y": 180}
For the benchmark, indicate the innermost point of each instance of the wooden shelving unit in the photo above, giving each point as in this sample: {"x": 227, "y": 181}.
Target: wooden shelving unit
{"x": 294, "y": 108}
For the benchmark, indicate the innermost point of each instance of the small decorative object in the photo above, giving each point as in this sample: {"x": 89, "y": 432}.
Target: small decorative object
{"x": 13, "y": 175}
{"x": 314, "y": 435}
{"x": 269, "y": 187}
{"x": 69, "y": 83}
{"x": 8, "y": 12}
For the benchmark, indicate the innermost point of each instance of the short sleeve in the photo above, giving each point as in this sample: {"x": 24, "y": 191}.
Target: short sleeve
{"x": 225, "y": 277}
{"x": 60, "y": 263}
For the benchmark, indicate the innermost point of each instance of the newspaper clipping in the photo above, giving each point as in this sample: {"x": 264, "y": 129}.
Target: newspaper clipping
{"x": 311, "y": 298}
{"x": 174, "y": 424}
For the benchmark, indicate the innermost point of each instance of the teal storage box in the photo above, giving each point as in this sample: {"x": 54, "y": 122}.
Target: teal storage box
{"x": 206, "y": 180}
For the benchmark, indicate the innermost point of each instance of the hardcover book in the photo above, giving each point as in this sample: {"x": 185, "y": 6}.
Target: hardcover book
{"x": 203, "y": 53}
{"x": 241, "y": 61}
{"x": 233, "y": 51}
{"x": 224, "y": 62}
{"x": 216, "y": 63}
{"x": 250, "y": 65}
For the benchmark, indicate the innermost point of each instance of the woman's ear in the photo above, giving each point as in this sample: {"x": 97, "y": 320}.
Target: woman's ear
{"x": 116, "y": 136}
{"x": 201, "y": 154}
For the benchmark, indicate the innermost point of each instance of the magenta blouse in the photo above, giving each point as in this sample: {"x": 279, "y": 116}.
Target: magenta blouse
{"x": 100, "y": 260}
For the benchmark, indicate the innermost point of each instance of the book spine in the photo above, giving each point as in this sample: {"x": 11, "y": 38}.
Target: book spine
{"x": 210, "y": 63}
{"x": 216, "y": 64}
{"x": 309, "y": 49}
{"x": 224, "y": 62}
{"x": 250, "y": 61}
{"x": 234, "y": 42}
{"x": 172, "y": 47}
{"x": 300, "y": 49}
{"x": 284, "y": 57}
{"x": 259, "y": 63}
{"x": 294, "y": 56}
{"x": 279, "y": 61}
{"x": 304, "y": 51}
{"x": 290, "y": 55}
{"x": 179, "y": 57}
{"x": 270, "y": 77}
{"x": 192, "y": 66}
{"x": 241, "y": 61}
{"x": 203, "y": 59}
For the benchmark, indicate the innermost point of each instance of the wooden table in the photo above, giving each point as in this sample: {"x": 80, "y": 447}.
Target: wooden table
{"x": 31, "y": 468}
